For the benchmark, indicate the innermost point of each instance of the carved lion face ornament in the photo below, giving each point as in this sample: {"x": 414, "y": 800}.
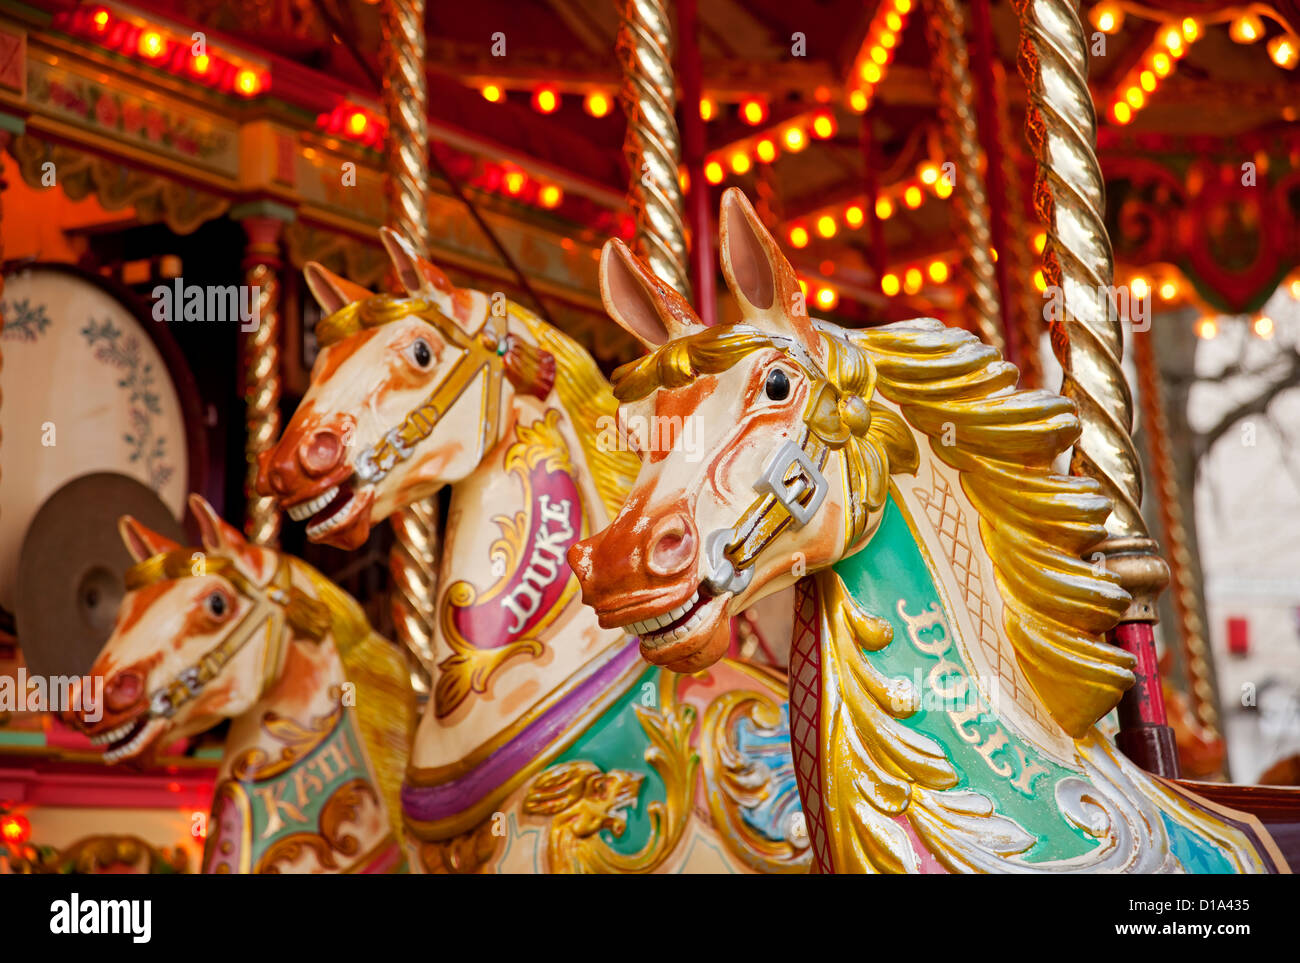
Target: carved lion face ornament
{"x": 750, "y": 496}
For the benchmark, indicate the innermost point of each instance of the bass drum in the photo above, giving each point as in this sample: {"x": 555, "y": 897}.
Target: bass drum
{"x": 90, "y": 384}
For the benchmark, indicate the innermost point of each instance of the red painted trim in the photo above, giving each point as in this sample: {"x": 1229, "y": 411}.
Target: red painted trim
{"x": 47, "y": 782}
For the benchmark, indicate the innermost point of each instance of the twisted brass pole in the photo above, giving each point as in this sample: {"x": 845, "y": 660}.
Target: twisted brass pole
{"x": 262, "y": 373}
{"x": 1087, "y": 337}
{"x": 945, "y": 27}
{"x": 652, "y": 146}
{"x": 413, "y": 561}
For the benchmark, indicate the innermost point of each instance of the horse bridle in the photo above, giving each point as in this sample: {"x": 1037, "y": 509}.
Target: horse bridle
{"x": 483, "y": 354}
{"x": 267, "y": 613}
{"x": 791, "y": 487}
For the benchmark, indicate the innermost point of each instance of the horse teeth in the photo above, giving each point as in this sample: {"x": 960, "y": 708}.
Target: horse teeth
{"x": 309, "y": 508}
{"x": 112, "y": 734}
{"x": 646, "y": 627}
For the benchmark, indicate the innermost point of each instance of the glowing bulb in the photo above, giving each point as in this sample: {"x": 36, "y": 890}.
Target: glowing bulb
{"x": 938, "y": 272}
{"x": 15, "y": 829}
{"x": 1173, "y": 39}
{"x": 151, "y": 44}
{"x": 823, "y": 126}
{"x": 740, "y": 162}
{"x": 1191, "y": 29}
{"x": 912, "y": 280}
{"x": 1161, "y": 64}
{"x": 550, "y": 195}
{"x": 1139, "y": 288}
{"x": 597, "y": 104}
{"x": 201, "y": 63}
{"x": 929, "y": 173}
{"x": 826, "y": 226}
{"x": 1040, "y": 242}
{"x": 912, "y": 197}
{"x": 1040, "y": 282}
{"x": 854, "y": 216}
{"x": 1295, "y": 289}
{"x": 492, "y": 93}
{"x": 708, "y": 108}
{"x": 858, "y": 101}
{"x": 766, "y": 150}
{"x": 1107, "y": 17}
{"x": 1263, "y": 326}
{"x": 1121, "y": 113}
{"x": 1168, "y": 290}
{"x": 827, "y": 298}
{"x": 884, "y": 208}
{"x": 893, "y": 21}
{"x": 1246, "y": 29}
{"x": 753, "y": 112}
{"x": 871, "y": 72}
{"x": 357, "y": 123}
{"x": 1207, "y": 329}
{"x": 514, "y": 182}
{"x": 795, "y": 140}
{"x": 713, "y": 172}
{"x": 1135, "y": 97}
{"x": 889, "y": 284}
{"x": 799, "y": 236}
{"x": 943, "y": 187}
{"x": 888, "y": 40}
{"x": 902, "y": 6}
{"x": 100, "y": 19}
{"x": 247, "y": 83}
{"x": 1282, "y": 50}
{"x": 546, "y": 100}
{"x": 1148, "y": 81}
{"x": 880, "y": 55}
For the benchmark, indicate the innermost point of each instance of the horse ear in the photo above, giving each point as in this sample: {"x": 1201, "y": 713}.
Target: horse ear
{"x": 142, "y": 542}
{"x": 418, "y": 275}
{"x": 331, "y": 291}
{"x": 641, "y": 303}
{"x": 757, "y": 273}
{"x": 217, "y": 536}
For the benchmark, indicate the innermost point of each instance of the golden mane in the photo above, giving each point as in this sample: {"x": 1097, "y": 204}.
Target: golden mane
{"x": 1037, "y": 525}
{"x": 586, "y": 397}
{"x": 384, "y": 701}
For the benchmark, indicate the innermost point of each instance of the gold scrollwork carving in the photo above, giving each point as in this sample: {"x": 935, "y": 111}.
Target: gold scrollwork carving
{"x": 734, "y": 782}
{"x": 256, "y": 764}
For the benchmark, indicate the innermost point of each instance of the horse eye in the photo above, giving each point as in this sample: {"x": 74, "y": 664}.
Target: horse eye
{"x": 422, "y": 353}
{"x": 778, "y": 385}
{"x": 217, "y": 605}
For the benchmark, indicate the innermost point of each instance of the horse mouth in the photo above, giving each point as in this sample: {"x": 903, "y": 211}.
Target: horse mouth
{"x": 688, "y": 635}
{"x": 331, "y": 513}
{"x": 130, "y": 738}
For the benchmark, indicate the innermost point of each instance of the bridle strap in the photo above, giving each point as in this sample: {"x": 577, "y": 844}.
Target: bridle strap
{"x": 266, "y": 614}
{"x": 483, "y": 355}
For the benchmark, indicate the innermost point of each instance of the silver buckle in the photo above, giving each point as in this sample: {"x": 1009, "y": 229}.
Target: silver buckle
{"x": 773, "y": 480}
{"x": 723, "y": 577}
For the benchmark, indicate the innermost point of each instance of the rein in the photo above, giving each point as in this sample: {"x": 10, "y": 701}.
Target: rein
{"x": 791, "y": 487}
{"x": 484, "y": 353}
{"x": 274, "y": 605}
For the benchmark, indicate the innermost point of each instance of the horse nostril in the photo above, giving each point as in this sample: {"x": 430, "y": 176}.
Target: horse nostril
{"x": 672, "y": 546}
{"x": 321, "y": 452}
{"x": 123, "y": 690}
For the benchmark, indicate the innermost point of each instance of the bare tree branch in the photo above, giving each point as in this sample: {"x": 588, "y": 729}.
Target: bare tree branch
{"x": 1255, "y": 406}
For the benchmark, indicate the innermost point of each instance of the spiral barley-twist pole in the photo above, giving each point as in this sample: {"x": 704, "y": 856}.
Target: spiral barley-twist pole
{"x": 413, "y": 560}
{"x": 262, "y": 374}
{"x": 652, "y": 146}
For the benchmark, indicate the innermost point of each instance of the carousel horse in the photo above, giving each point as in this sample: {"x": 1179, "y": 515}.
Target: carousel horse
{"x": 547, "y": 745}
{"x": 321, "y": 707}
{"x": 949, "y": 663}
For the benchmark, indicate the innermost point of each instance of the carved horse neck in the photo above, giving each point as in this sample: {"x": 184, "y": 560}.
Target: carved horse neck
{"x": 300, "y": 759}
{"x": 510, "y": 628}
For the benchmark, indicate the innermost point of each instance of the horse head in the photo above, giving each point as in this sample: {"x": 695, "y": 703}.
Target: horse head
{"x": 782, "y": 429}
{"x": 198, "y": 638}
{"x": 405, "y": 397}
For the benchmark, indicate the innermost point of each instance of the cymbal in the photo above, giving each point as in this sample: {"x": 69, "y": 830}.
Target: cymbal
{"x": 72, "y": 565}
